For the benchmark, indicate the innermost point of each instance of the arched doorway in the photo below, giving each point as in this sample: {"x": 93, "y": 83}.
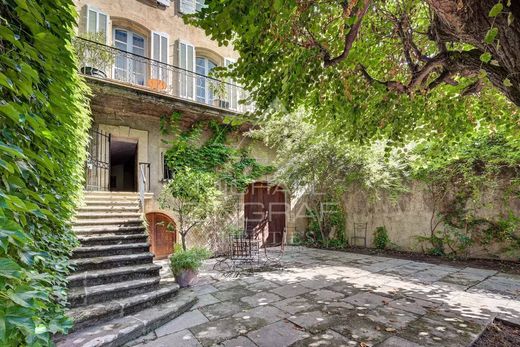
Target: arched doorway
{"x": 264, "y": 213}
{"x": 162, "y": 231}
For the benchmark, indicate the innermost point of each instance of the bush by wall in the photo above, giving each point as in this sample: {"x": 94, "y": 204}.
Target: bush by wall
{"x": 381, "y": 238}
{"x": 43, "y": 131}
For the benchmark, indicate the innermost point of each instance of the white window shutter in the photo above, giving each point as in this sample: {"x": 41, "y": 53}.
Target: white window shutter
{"x": 199, "y": 5}
{"x": 97, "y": 22}
{"x": 187, "y": 6}
{"x": 160, "y": 48}
{"x": 164, "y": 2}
{"x": 187, "y": 67}
{"x": 232, "y": 90}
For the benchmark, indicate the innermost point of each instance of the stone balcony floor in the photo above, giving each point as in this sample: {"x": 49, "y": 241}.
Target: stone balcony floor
{"x": 330, "y": 298}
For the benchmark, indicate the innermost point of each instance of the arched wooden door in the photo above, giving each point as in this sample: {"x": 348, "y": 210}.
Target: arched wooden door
{"x": 264, "y": 212}
{"x": 162, "y": 231}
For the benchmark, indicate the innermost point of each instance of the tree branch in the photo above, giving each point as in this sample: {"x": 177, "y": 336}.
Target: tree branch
{"x": 351, "y": 35}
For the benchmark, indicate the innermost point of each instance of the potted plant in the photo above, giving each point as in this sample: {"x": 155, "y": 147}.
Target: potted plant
{"x": 95, "y": 58}
{"x": 186, "y": 263}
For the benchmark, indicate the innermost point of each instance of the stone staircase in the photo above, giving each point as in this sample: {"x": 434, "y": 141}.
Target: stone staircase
{"x": 115, "y": 292}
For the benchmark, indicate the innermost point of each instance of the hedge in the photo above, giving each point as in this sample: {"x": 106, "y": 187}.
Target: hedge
{"x": 44, "y": 119}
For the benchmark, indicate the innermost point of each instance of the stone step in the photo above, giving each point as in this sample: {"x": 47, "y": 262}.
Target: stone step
{"x": 111, "y": 239}
{"x": 107, "y": 215}
{"x": 101, "y": 312}
{"x": 103, "y": 250}
{"x": 119, "y": 331}
{"x": 118, "y": 274}
{"x": 109, "y": 221}
{"x": 109, "y": 208}
{"x": 109, "y": 262}
{"x": 82, "y": 296}
{"x": 108, "y": 229}
{"x": 107, "y": 202}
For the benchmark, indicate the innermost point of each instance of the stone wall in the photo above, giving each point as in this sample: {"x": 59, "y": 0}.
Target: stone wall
{"x": 131, "y": 113}
{"x": 409, "y": 216}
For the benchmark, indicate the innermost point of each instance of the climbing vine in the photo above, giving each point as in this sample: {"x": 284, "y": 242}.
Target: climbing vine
{"x": 191, "y": 148}
{"x": 474, "y": 177}
{"x": 44, "y": 119}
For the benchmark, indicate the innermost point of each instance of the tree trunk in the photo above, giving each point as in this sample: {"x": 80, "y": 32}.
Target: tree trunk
{"x": 183, "y": 240}
{"x": 468, "y": 21}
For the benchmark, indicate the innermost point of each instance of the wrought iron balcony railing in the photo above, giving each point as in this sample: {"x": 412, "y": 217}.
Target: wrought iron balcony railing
{"x": 102, "y": 61}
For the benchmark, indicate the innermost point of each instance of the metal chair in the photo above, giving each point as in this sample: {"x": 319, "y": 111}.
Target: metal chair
{"x": 360, "y": 233}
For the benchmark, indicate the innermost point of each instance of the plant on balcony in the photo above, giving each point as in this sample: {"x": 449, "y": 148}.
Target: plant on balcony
{"x": 95, "y": 58}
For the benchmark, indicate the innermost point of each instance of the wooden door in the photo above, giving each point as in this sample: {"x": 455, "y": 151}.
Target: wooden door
{"x": 264, "y": 211}
{"x": 162, "y": 231}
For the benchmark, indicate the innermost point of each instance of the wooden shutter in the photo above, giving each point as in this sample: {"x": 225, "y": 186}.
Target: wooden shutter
{"x": 187, "y": 6}
{"x": 232, "y": 90}
{"x": 187, "y": 67}
{"x": 160, "y": 48}
{"x": 199, "y": 5}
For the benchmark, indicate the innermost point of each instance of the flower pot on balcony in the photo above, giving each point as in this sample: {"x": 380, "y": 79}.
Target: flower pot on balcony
{"x": 92, "y": 71}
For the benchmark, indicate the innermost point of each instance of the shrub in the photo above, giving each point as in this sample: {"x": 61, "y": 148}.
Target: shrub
{"x": 44, "y": 120}
{"x": 190, "y": 259}
{"x": 381, "y": 238}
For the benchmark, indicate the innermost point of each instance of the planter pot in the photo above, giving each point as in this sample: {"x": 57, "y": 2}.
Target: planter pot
{"x": 185, "y": 278}
{"x": 92, "y": 71}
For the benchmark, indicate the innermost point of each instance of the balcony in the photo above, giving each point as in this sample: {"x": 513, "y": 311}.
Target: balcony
{"x": 105, "y": 62}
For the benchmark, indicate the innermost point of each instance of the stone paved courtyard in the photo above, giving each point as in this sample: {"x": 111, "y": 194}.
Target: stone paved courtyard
{"x": 328, "y": 298}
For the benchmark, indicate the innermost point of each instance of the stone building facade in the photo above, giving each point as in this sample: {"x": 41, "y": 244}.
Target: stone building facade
{"x": 142, "y": 62}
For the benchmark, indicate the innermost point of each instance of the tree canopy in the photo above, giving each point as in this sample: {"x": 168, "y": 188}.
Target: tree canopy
{"x": 370, "y": 67}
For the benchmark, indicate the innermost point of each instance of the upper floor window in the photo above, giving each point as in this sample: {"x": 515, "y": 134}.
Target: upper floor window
{"x": 130, "y": 68}
{"x": 191, "y": 6}
{"x": 204, "y": 84}
{"x": 97, "y": 22}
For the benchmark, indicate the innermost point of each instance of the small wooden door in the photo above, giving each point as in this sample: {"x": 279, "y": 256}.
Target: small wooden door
{"x": 162, "y": 231}
{"x": 264, "y": 211}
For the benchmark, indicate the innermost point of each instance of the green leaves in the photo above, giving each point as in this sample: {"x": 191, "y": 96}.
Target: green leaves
{"x": 491, "y": 35}
{"x": 43, "y": 132}
{"x": 496, "y": 9}
{"x": 10, "y": 269}
{"x": 485, "y": 57}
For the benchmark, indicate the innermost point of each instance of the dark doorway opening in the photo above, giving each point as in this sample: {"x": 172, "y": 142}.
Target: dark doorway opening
{"x": 123, "y": 165}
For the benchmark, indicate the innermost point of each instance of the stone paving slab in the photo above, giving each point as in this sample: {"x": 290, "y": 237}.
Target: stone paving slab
{"x": 280, "y": 334}
{"x": 332, "y": 298}
{"x": 184, "y": 321}
{"x": 223, "y": 309}
{"x": 183, "y": 338}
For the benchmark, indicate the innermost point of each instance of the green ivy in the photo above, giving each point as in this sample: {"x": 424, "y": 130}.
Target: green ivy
{"x": 43, "y": 132}
{"x": 231, "y": 165}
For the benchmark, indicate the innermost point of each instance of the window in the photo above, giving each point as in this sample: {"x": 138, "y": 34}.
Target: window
{"x": 167, "y": 173}
{"x": 130, "y": 68}
{"x": 97, "y": 22}
{"x": 186, "y": 64}
{"x": 191, "y": 6}
{"x": 205, "y": 85}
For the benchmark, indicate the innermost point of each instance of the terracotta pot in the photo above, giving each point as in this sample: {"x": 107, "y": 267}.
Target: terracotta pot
{"x": 185, "y": 278}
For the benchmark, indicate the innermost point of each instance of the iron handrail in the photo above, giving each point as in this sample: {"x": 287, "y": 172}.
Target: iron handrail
{"x": 103, "y": 61}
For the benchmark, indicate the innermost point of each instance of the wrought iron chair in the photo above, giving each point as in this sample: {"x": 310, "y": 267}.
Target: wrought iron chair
{"x": 360, "y": 233}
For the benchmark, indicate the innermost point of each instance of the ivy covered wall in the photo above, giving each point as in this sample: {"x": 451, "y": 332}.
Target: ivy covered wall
{"x": 43, "y": 132}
